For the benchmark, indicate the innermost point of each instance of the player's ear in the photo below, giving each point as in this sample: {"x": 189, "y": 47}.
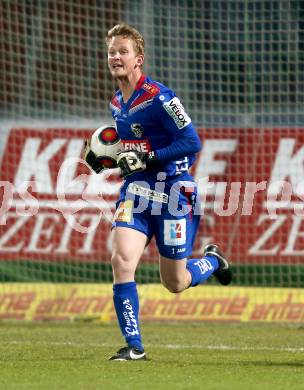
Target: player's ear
{"x": 140, "y": 60}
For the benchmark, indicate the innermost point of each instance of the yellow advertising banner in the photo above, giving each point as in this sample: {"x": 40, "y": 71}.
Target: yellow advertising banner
{"x": 40, "y": 302}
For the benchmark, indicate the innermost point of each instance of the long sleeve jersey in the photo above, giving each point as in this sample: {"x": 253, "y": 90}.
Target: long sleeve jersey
{"x": 153, "y": 119}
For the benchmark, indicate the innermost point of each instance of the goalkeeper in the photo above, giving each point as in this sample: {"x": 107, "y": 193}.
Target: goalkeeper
{"x": 160, "y": 144}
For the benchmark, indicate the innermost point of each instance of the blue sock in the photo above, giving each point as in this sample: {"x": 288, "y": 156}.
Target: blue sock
{"x": 201, "y": 269}
{"x": 126, "y": 304}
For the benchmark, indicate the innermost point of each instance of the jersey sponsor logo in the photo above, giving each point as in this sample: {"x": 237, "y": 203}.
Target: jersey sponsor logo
{"x": 152, "y": 89}
{"x": 137, "y": 130}
{"x": 148, "y": 193}
{"x": 175, "y": 231}
{"x": 140, "y": 146}
{"x": 177, "y": 112}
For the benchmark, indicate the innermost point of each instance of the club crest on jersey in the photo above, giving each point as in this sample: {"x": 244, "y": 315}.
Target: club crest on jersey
{"x": 177, "y": 112}
{"x": 137, "y": 130}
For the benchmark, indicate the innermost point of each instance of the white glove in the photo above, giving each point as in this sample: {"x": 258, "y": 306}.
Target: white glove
{"x": 130, "y": 162}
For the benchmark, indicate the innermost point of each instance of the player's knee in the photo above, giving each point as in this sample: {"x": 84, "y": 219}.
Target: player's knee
{"x": 174, "y": 288}
{"x": 120, "y": 263}
{"x": 174, "y": 285}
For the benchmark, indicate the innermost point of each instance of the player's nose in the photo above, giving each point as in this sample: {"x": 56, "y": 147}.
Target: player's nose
{"x": 116, "y": 55}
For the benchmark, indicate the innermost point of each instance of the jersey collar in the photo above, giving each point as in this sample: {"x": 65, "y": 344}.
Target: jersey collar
{"x": 140, "y": 82}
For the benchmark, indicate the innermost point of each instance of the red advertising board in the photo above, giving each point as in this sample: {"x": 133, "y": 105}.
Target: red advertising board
{"x": 251, "y": 182}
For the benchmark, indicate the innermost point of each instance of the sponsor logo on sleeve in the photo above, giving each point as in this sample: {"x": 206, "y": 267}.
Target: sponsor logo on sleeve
{"x": 176, "y": 110}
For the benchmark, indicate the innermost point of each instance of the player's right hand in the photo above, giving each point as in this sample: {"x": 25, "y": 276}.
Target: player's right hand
{"x": 130, "y": 162}
{"x": 135, "y": 161}
{"x": 91, "y": 159}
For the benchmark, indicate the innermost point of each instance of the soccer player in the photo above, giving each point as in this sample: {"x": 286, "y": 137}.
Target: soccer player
{"x": 158, "y": 196}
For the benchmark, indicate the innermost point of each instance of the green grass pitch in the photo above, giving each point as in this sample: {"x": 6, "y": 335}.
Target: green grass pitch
{"x": 181, "y": 356}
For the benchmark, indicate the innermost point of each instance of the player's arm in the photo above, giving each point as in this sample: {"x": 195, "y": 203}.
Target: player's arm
{"x": 175, "y": 120}
{"x": 185, "y": 141}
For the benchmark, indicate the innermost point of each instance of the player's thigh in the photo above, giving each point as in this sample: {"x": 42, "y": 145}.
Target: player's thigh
{"x": 128, "y": 244}
{"x": 130, "y": 234}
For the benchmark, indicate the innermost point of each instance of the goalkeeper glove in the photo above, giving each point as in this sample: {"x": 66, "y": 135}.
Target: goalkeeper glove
{"x": 134, "y": 161}
{"x": 91, "y": 159}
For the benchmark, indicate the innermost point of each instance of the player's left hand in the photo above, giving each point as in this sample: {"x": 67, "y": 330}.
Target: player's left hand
{"x": 134, "y": 161}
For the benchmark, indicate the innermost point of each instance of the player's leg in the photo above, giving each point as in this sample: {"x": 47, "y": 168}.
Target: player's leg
{"x": 174, "y": 274}
{"x": 128, "y": 246}
{"x": 175, "y": 237}
{"x": 178, "y": 275}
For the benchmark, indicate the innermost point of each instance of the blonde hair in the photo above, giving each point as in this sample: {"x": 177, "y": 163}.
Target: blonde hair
{"x": 130, "y": 32}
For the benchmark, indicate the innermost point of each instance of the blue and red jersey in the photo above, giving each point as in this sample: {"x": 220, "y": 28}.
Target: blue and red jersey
{"x": 154, "y": 119}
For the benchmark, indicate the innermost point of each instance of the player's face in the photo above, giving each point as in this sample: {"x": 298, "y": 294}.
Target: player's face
{"x": 122, "y": 57}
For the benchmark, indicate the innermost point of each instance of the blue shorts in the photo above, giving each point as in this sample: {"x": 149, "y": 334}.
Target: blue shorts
{"x": 167, "y": 210}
